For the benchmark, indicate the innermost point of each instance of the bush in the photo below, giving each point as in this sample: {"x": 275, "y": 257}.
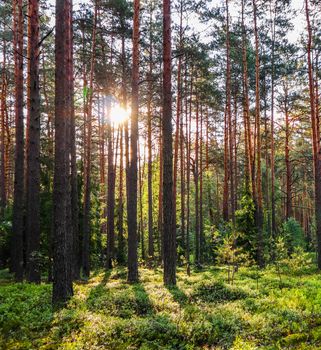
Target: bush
{"x": 293, "y": 234}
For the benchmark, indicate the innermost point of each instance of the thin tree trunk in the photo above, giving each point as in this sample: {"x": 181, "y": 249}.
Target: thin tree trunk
{"x": 188, "y": 174}
{"x": 289, "y": 208}
{"x": 3, "y": 181}
{"x": 17, "y": 223}
{"x": 259, "y": 208}
{"x": 273, "y": 219}
{"x": 182, "y": 166}
{"x": 178, "y": 109}
{"x": 196, "y": 180}
{"x": 149, "y": 141}
{"x": 88, "y": 158}
{"x": 202, "y": 238}
{"x": 160, "y": 199}
{"x": 121, "y": 238}
{"x": 132, "y": 172}
{"x": 141, "y": 215}
{"x": 249, "y": 181}
{"x": 111, "y": 176}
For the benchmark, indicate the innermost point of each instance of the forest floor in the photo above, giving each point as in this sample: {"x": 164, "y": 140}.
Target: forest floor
{"x": 261, "y": 310}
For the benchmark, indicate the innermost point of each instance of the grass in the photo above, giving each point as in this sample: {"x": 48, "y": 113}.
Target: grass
{"x": 203, "y": 312}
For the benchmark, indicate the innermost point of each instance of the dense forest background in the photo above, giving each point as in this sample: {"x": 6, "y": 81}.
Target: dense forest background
{"x": 130, "y": 139}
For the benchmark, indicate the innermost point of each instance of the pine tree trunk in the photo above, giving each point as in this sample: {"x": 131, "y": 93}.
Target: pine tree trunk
{"x": 62, "y": 259}
{"x": 202, "y": 238}
{"x": 17, "y": 222}
{"x": 132, "y": 171}
{"x": 88, "y": 159}
{"x": 196, "y": 180}
{"x": 289, "y": 208}
{"x": 149, "y": 141}
{"x": 315, "y": 139}
{"x": 246, "y": 114}
{"x": 33, "y": 148}
{"x": 3, "y": 177}
{"x": 273, "y": 219}
{"x": 178, "y": 109}
{"x": 111, "y": 176}
{"x": 121, "y": 238}
{"x": 169, "y": 215}
{"x": 259, "y": 207}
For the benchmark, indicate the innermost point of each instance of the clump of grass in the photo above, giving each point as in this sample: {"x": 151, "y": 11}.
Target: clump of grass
{"x": 216, "y": 292}
{"x": 125, "y": 302}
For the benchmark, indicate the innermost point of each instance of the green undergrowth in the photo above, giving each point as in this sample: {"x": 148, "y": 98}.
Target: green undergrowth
{"x": 261, "y": 310}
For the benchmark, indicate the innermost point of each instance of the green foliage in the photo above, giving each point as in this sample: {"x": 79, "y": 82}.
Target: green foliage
{"x": 5, "y": 234}
{"x": 293, "y": 233}
{"x": 217, "y": 292}
{"x": 228, "y": 253}
{"x": 245, "y": 225}
{"x": 25, "y": 314}
{"x": 125, "y": 302}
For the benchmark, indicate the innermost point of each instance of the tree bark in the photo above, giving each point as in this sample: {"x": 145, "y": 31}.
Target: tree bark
{"x": 315, "y": 139}
{"x": 17, "y": 223}
{"x": 62, "y": 261}
{"x": 169, "y": 215}
{"x": 132, "y": 171}
{"x": 88, "y": 158}
{"x": 259, "y": 208}
{"x": 33, "y": 147}
{"x": 149, "y": 141}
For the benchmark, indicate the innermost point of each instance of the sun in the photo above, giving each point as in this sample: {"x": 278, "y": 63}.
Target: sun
{"x": 118, "y": 114}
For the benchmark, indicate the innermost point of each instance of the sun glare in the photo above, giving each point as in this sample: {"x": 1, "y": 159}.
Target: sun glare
{"x": 118, "y": 114}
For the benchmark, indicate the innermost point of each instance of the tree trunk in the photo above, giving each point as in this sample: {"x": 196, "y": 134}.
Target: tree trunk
{"x": 33, "y": 147}
{"x": 289, "y": 208}
{"x": 169, "y": 215}
{"x": 273, "y": 220}
{"x": 178, "y": 109}
{"x": 111, "y": 176}
{"x": 259, "y": 208}
{"x": 249, "y": 181}
{"x": 196, "y": 180}
{"x": 132, "y": 173}
{"x": 88, "y": 157}
{"x": 315, "y": 140}
{"x": 62, "y": 261}
{"x": 3, "y": 192}
{"x": 202, "y": 238}
{"x": 149, "y": 142}
{"x": 17, "y": 222}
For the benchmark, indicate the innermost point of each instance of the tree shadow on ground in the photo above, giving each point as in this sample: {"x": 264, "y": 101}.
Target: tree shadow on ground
{"x": 178, "y": 295}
